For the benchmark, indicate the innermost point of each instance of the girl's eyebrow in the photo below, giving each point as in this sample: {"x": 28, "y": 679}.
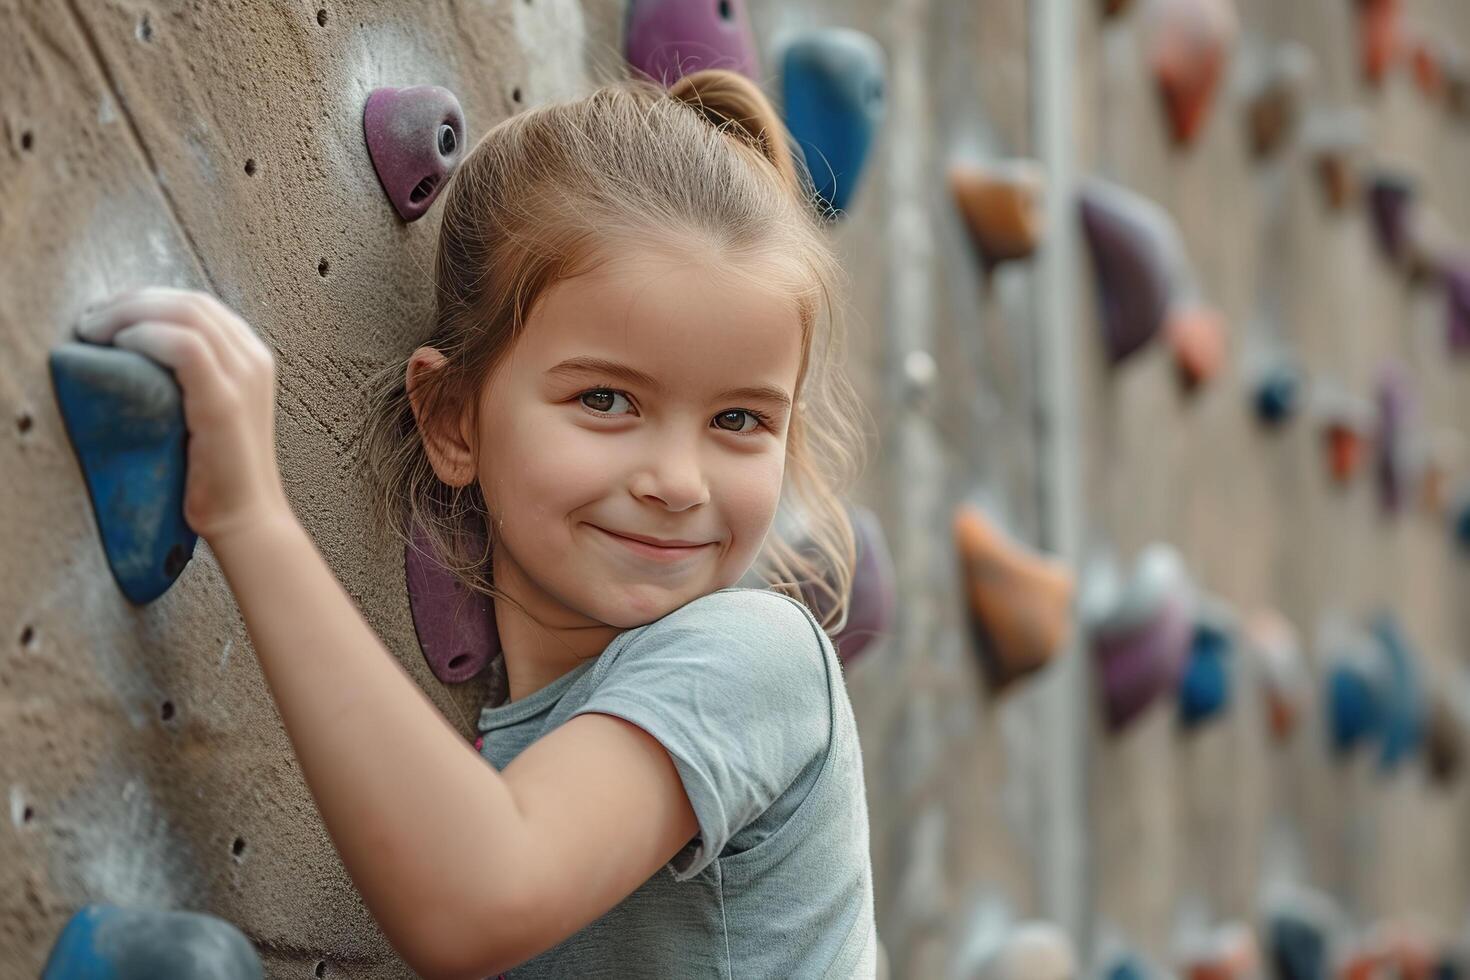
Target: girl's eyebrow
{"x": 597, "y": 365}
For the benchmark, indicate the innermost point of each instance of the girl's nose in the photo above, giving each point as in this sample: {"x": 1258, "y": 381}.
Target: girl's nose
{"x": 673, "y": 479}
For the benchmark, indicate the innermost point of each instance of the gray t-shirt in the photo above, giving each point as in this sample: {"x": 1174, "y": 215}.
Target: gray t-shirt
{"x": 744, "y": 691}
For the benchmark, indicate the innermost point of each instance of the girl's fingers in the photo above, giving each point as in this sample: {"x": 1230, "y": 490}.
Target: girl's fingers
{"x": 193, "y": 361}
{"x": 230, "y": 338}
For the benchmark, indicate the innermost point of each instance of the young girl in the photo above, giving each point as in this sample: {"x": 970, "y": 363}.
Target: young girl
{"x": 633, "y": 355}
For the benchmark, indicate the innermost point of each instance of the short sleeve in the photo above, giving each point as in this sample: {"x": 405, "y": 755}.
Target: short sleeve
{"x": 734, "y": 686}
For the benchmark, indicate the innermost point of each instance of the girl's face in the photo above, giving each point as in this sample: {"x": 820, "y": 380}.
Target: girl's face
{"x": 647, "y": 399}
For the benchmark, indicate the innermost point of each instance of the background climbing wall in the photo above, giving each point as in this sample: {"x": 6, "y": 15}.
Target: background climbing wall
{"x": 221, "y": 148}
{"x": 1194, "y": 827}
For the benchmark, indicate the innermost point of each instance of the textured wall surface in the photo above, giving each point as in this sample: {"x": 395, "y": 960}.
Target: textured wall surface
{"x": 212, "y": 146}
{"x": 219, "y": 146}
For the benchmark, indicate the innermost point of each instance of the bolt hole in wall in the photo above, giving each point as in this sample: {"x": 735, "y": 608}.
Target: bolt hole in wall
{"x": 166, "y": 711}
{"x": 322, "y": 268}
{"x": 145, "y": 29}
{"x": 321, "y": 969}
{"x": 238, "y": 848}
{"x": 515, "y": 94}
{"x": 23, "y": 422}
{"x": 321, "y": 17}
{"x": 250, "y": 167}
{"x": 28, "y": 636}
{"x": 27, "y": 139}
{"x": 28, "y": 814}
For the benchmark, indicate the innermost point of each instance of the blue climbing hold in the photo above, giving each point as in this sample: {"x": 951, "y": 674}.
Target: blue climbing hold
{"x": 1278, "y": 394}
{"x": 124, "y": 413}
{"x": 1298, "y": 947}
{"x": 1404, "y": 708}
{"x": 1127, "y": 966}
{"x": 1461, "y": 523}
{"x": 105, "y": 942}
{"x": 1204, "y": 690}
{"x": 832, "y": 89}
{"x": 1354, "y": 698}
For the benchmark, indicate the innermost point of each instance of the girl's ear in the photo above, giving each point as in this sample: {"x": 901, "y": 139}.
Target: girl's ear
{"x": 448, "y": 442}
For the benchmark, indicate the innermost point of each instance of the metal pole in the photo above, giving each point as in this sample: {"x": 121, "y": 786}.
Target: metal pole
{"x": 1062, "y": 863}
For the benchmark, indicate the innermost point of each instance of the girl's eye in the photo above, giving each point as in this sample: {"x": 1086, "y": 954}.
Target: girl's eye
{"x": 602, "y": 400}
{"x": 735, "y": 416}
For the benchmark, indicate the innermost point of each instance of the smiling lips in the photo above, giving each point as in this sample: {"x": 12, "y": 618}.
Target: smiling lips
{"x": 655, "y": 548}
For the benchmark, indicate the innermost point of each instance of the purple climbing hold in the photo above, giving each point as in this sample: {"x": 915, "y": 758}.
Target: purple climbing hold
{"x": 1137, "y": 256}
{"x": 1395, "y": 407}
{"x": 1455, "y": 274}
{"x": 1143, "y": 635}
{"x": 416, "y": 137}
{"x": 1390, "y": 200}
{"x": 873, "y": 599}
{"x": 668, "y": 39}
{"x": 455, "y": 625}
{"x": 873, "y": 603}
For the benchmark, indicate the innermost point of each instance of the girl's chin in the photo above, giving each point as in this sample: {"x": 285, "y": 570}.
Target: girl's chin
{"x": 631, "y": 608}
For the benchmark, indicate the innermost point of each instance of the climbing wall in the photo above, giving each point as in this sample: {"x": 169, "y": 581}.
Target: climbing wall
{"x": 1184, "y": 829}
{"x": 220, "y": 147}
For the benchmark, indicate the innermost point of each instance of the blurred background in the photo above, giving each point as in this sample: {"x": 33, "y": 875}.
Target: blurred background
{"x": 1159, "y": 642}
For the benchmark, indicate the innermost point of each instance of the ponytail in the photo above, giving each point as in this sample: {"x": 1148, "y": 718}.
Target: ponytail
{"x": 735, "y": 105}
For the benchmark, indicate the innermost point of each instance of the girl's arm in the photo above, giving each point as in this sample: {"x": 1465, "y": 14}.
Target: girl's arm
{"x": 467, "y": 871}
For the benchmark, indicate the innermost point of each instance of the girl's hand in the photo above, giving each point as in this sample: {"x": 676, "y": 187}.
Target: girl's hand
{"x": 227, "y": 376}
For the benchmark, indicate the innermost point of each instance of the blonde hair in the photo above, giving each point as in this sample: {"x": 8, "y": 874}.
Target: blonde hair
{"x": 544, "y": 195}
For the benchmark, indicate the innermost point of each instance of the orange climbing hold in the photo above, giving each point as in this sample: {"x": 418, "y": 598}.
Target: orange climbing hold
{"x": 1284, "y": 678}
{"x": 1275, "y": 105}
{"x": 1429, "y": 75}
{"x": 1189, "y": 45}
{"x": 1378, "y": 37}
{"x": 1435, "y": 458}
{"x": 1227, "y": 953}
{"x": 1334, "y": 138}
{"x": 1347, "y": 446}
{"x": 1339, "y": 182}
{"x": 1196, "y": 336}
{"x": 1020, "y": 603}
{"x": 1002, "y": 207}
{"x": 1347, "y": 425}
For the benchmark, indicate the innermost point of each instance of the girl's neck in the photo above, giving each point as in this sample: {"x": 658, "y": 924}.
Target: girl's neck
{"x": 540, "y": 644}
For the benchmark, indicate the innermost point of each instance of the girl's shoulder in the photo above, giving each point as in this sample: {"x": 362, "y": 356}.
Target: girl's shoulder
{"x": 746, "y": 608}
{"x": 758, "y": 620}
